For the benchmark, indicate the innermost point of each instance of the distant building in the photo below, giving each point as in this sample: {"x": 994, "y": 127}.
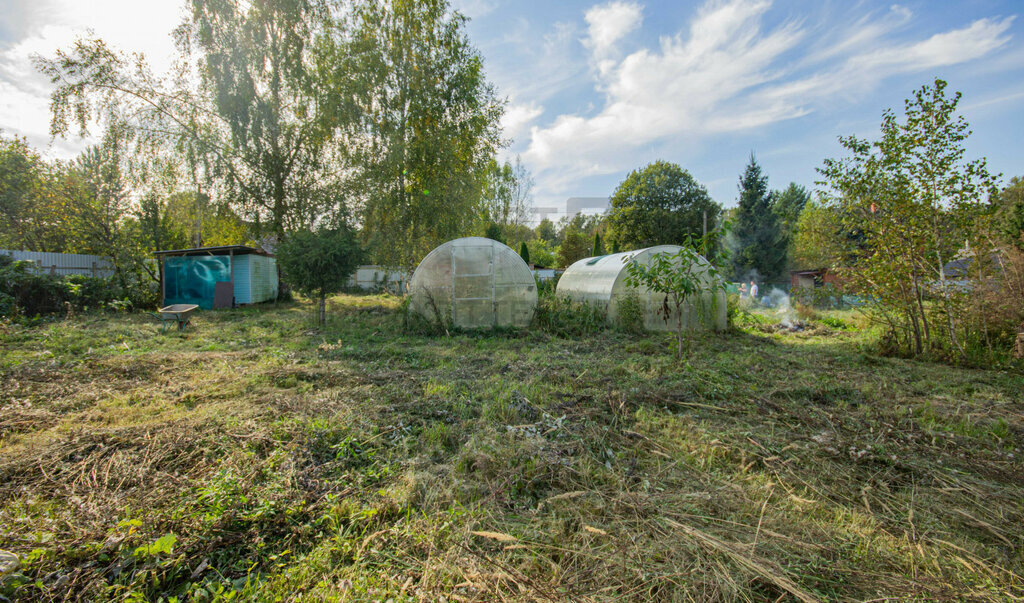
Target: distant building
{"x": 541, "y": 213}
{"x": 809, "y": 279}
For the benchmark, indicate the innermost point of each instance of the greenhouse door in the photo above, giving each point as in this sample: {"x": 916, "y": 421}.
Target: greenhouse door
{"x": 473, "y": 286}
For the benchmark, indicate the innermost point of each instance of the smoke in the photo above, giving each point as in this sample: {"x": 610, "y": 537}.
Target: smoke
{"x": 780, "y": 303}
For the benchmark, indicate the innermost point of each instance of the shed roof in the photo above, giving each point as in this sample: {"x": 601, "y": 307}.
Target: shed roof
{"x": 219, "y": 250}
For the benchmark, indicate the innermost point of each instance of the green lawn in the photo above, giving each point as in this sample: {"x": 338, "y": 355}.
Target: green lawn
{"x": 257, "y": 458}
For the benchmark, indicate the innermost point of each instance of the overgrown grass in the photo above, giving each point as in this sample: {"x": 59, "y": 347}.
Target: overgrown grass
{"x": 259, "y": 458}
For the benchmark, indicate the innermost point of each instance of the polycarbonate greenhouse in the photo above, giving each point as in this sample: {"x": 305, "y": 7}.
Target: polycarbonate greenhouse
{"x": 474, "y": 283}
{"x": 601, "y": 282}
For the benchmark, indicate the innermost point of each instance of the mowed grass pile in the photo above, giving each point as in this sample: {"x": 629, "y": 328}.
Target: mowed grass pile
{"x": 256, "y": 458}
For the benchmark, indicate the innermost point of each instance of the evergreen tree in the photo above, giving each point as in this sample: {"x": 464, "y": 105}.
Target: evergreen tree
{"x": 598, "y": 247}
{"x": 524, "y": 252}
{"x": 493, "y": 232}
{"x": 760, "y": 244}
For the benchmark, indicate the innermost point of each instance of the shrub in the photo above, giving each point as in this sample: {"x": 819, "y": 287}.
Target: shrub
{"x": 23, "y": 291}
{"x": 319, "y": 263}
{"x": 566, "y": 318}
{"x": 631, "y": 313}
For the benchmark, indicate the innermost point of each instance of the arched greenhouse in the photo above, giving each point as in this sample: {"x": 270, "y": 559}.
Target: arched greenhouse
{"x": 474, "y": 283}
{"x": 602, "y": 282}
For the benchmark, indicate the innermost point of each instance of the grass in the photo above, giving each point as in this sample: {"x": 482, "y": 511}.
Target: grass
{"x": 259, "y": 458}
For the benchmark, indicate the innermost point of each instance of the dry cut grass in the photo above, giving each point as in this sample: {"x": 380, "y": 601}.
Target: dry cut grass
{"x": 257, "y": 458}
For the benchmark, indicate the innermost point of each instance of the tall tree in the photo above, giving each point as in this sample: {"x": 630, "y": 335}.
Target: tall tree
{"x": 254, "y": 129}
{"x": 787, "y": 205}
{"x": 574, "y": 247}
{"x": 659, "y": 204}
{"x": 817, "y": 242}
{"x": 524, "y": 252}
{"x": 508, "y": 195}
{"x": 425, "y": 124}
{"x": 916, "y": 200}
{"x": 101, "y": 209}
{"x": 546, "y": 231}
{"x": 35, "y": 199}
{"x": 759, "y": 244}
{"x": 493, "y": 232}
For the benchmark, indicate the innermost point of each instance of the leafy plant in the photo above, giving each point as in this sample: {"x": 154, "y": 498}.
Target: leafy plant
{"x": 683, "y": 278}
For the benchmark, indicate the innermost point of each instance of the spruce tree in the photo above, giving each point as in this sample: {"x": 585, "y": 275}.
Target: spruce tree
{"x": 524, "y": 252}
{"x": 598, "y": 247}
{"x": 759, "y": 244}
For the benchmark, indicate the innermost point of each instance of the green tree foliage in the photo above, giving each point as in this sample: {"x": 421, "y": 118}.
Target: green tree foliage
{"x": 318, "y": 263}
{"x": 425, "y": 124}
{"x": 541, "y": 253}
{"x": 574, "y": 246}
{"x": 508, "y": 197}
{"x": 1010, "y": 223}
{"x": 574, "y": 238}
{"x": 817, "y": 242}
{"x": 659, "y": 204}
{"x": 524, "y": 252}
{"x": 759, "y": 243}
{"x": 250, "y": 123}
{"x": 546, "y": 231}
{"x": 916, "y": 200}
{"x": 100, "y": 211}
{"x": 598, "y": 248}
{"x": 787, "y": 205}
{"x": 493, "y": 232}
{"x": 35, "y": 199}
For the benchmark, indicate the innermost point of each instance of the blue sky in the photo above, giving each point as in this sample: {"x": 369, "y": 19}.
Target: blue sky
{"x": 597, "y": 89}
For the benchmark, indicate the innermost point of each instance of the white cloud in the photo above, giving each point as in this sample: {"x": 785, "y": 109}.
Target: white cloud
{"x": 609, "y": 23}
{"x": 727, "y": 72}
{"x": 125, "y": 24}
{"x": 518, "y": 116}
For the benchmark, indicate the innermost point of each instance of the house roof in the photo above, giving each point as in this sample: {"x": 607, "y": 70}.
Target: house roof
{"x": 220, "y": 250}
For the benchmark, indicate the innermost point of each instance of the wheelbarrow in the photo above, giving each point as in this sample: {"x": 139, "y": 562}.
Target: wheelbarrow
{"x": 175, "y": 313}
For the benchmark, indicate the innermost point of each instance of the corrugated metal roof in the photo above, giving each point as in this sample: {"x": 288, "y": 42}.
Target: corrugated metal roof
{"x": 221, "y": 250}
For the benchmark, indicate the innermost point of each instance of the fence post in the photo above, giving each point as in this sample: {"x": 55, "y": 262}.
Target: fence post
{"x": 92, "y": 271}
{"x": 53, "y": 269}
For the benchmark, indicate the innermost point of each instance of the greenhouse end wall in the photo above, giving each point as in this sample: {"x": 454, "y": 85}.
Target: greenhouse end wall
{"x": 602, "y": 282}
{"x": 473, "y": 283}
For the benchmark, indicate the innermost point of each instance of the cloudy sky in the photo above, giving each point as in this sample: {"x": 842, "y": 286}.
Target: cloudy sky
{"x": 597, "y": 89}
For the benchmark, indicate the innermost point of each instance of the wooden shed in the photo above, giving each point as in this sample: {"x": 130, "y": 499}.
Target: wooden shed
{"x": 217, "y": 277}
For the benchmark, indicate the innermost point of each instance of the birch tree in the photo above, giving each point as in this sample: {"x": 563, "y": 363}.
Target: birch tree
{"x": 918, "y": 203}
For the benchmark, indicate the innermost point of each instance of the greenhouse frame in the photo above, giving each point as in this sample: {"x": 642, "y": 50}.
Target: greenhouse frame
{"x": 474, "y": 283}
{"x": 602, "y": 282}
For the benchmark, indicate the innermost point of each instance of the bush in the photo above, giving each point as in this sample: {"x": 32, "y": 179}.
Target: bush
{"x": 566, "y": 318}
{"x": 25, "y": 292}
{"x": 631, "y": 313}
